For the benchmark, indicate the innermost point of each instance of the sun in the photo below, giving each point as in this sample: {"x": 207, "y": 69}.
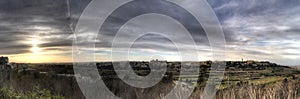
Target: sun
{"x": 35, "y": 42}
{"x": 35, "y": 49}
{"x": 35, "y": 45}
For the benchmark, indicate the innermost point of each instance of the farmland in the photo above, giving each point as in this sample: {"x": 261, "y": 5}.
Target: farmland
{"x": 60, "y": 80}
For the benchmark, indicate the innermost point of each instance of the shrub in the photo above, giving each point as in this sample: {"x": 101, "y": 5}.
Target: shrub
{"x": 36, "y": 93}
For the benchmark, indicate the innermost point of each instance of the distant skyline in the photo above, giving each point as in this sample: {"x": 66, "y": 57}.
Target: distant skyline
{"x": 39, "y": 31}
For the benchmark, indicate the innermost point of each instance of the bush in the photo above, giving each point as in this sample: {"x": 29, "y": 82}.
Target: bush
{"x": 36, "y": 93}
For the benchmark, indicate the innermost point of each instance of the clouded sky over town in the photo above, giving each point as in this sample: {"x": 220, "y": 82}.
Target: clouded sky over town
{"x": 42, "y": 31}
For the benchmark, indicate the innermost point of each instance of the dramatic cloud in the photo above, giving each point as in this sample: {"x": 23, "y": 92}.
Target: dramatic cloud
{"x": 254, "y": 29}
{"x": 269, "y": 28}
{"x": 30, "y": 26}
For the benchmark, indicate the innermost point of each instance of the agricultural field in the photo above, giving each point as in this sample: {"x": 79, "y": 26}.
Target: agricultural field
{"x": 58, "y": 79}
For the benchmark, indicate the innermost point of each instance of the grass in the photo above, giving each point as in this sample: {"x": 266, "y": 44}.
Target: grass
{"x": 267, "y": 80}
{"x": 227, "y": 84}
{"x": 36, "y": 93}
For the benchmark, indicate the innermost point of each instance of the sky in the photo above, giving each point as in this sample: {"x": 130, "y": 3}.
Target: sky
{"x": 40, "y": 31}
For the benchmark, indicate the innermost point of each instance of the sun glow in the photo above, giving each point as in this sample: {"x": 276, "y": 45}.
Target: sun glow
{"x": 39, "y": 58}
{"x": 35, "y": 45}
{"x": 35, "y": 49}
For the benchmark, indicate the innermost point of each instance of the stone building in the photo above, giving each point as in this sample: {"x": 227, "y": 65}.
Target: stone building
{"x": 3, "y": 60}
{"x": 4, "y": 63}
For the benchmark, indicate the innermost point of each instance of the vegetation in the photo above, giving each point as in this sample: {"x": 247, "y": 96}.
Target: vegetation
{"x": 36, "y": 93}
{"x": 255, "y": 80}
{"x": 284, "y": 89}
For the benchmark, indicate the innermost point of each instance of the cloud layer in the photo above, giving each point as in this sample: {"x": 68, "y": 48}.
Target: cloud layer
{"x": 254, "y": 29}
